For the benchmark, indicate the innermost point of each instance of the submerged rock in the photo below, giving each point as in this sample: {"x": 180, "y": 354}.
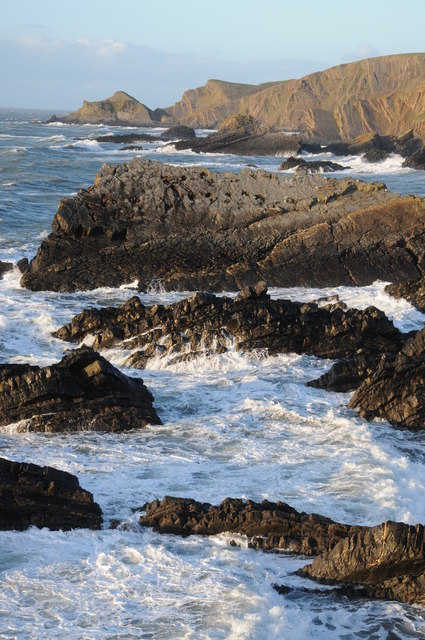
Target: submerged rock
{"x": 190, "y": 228}
{"x": 388, "y": 560}
{"x": 44, "y": 497}
{"x": 270, "y": 525}
{"x": 311, "y": 166}
{"x": 5, "y": 267}
{"x": 81, "y": 392}
{"x": 250, "y": 321}
{"x": 396, "y": 390}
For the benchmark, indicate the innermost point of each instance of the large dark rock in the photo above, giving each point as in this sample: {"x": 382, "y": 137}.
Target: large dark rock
{"x": 310, "y": 166}
{"x": 396, "y": 390}
{"x": 82, "y": 392}
{"x": 414, "y": 292}
{"x": 189, "y": 228}
{"x": 388, "y": 560}
{"x": 251, "y": 321}
{"x": 5, "y": 267}
{"x": 270, "y": 525}
{"x": 178, "y": 132}
{"x": 44, "y": 497}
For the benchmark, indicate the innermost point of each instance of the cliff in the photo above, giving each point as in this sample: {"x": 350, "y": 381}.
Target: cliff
{"x": 209, "y": 105}
{"x": 385, "y": 95}
{"x": 119, "y": 109}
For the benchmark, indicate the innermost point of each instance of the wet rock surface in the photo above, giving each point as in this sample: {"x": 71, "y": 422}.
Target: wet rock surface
{"x": 414, "y": 292}
{"x": 250, "y": 321}
{"x": 387, "y": 560}
{"x": 81, "y": 392}
{"x": 190, "y": 228}
{"x": 44, "y": 497}
{"x": 396, "y": 390}
{"x": 270, "y": 525}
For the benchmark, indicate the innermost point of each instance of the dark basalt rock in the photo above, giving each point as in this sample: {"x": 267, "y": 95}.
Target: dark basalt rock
{"x": 191, "y": 228}
{"x": 396, "y": 391}
{"x": 5, "y": 267}
{"x": 82, "y": 392}
{"x": 22, "y": 264}
{"x": 252, "y": 321}
{"x": 44, "y": 497}
{"x": 310, "y": 166}
{"x": 126, "y": 138}
{"x": 387, "y": 560}
{"x": 414, "y": 292}
{"x": 347, "y": 374}
{"x": 416, "y": 160}
{"x": 270, "y": 525}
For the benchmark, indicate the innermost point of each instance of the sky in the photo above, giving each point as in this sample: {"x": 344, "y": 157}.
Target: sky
{"x": 56, "y": 54}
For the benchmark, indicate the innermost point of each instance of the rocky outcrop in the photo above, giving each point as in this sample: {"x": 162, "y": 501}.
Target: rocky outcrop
{"x": 269, "y": 525}
{"x": 44, "y": 497}
{"x": 5, "y": 267}
{"x": 310, "y": 166}
{"x": 387, "y": 560}
{"x": 82, "y": 392}
{"x": 120, "y": 109}
{"x": 396, "y": 390}
{"x": 178, "y": 132}
{"x": 243, "y": 136}
{"x": 414, "y": 292}
{"x": 190, "y": 228}
{"x": 251, "y": 321}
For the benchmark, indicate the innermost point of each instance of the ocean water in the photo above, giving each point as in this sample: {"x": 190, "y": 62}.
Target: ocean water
{"x": 240, "y": 425}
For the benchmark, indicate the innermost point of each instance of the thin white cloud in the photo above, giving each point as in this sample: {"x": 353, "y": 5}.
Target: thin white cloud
{"x": 40, "y": 43}
{"x": 362, "y": 51}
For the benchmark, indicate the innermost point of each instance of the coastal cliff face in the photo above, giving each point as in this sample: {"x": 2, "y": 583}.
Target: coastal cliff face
{"x": 385, "y": 95}
{"x": 118, "y": 109}
{"x": 209, "y": 105}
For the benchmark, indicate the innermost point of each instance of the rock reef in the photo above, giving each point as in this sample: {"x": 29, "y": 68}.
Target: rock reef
{"x": 44, "y": 497}
{"x": 207, "y": 322}
{"x": 189, "y": 229}
{"x": 81, "y": 392}
{"x": 269, "y": 525}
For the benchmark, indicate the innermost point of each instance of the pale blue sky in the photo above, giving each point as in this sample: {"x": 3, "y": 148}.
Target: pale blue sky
{"x": 54, "y": 54}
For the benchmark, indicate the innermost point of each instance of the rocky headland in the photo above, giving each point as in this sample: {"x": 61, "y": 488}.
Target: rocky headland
{"x": 82, "y": 392}
{"x": 44, "y": 497}
{"x": 189, "y": 228}
{"x": 120, "y": 109}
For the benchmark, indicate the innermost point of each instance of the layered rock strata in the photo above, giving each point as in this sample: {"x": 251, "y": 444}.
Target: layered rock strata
{"x": 396, "y": 390}
{"x": 269, "y": 525}
{"x": 81, "y": 392}
{"x": 387, "y": 560}
{"x": 44, "y": 497}
{"x": 250, "y": 321}
{"x": 191, "y": 228}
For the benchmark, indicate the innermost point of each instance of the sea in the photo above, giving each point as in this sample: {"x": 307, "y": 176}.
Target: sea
{"x": 234, "y": 424}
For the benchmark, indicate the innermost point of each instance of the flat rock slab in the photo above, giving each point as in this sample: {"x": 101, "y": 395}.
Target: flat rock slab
{"x": 81, "y": 392}
{"x": 206, "y": 323}
{"x": 44, "y": 497}
{"x": 388, "y": 560}
{"x": 190, "y": 228}
{"x": 396, "y": 390}
{"x": 270, "y": 525}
